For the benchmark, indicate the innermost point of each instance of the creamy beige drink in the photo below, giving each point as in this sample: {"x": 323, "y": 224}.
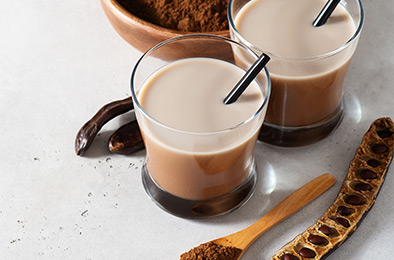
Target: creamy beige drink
{"x": 284, "y": 27}
{"x": 185, "y": 155}
{"x": 307, "y": 64}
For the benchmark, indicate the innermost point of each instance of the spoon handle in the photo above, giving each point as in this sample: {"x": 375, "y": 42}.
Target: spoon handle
{"x": 297, "y": 200}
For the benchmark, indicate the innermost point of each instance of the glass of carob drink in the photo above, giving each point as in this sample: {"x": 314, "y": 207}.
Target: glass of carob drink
{"x": 308, "y": 64}
{"x": 199, "y": 151}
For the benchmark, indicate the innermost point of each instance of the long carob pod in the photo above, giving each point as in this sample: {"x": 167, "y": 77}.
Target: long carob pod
{"x": 89, "y": 130}
{"x": 357, "y": 195}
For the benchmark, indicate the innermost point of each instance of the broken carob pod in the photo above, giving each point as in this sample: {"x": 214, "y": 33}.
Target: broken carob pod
{"x": 357, "y": 195}
{"x": 127, "y": 139}
{"x": 90, "y": 129}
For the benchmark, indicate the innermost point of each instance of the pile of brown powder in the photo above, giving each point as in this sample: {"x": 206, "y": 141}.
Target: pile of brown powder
{"x": 212, "y": 251}
{"x": 182, "y": 15}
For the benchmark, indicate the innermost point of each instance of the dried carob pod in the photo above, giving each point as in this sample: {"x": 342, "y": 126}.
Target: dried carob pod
{"x": 127, "y": 139}
{"x": 357, "y": 195}
{"x": 89, "y": 130}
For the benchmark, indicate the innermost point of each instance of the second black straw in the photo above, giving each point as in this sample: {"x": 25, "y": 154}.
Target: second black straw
{"x": 325, "y": 12}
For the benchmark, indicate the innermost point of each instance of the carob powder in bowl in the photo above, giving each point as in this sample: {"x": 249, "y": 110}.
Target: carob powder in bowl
{"x": 181, "y": 15}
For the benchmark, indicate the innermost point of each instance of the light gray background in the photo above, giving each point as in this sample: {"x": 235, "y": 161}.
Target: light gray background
{"x": 61, "y": 60}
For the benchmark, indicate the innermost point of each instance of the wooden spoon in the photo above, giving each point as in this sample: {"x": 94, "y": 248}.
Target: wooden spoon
{"x": 244, "y": 239}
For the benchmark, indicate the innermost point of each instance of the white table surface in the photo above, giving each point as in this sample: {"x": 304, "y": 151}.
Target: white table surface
{"x": 60, "y": 61}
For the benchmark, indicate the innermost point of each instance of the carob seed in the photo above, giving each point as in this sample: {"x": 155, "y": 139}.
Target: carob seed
{"x": 290, "y": 257}
{"x": 379, "y": 148}
{"x": 317, "y": 240}
{"x": 362, "y": 186}
{"x": 384, "y": 133}
{"x": 367, "y": 174}
{"x": 354, "y": 200}
{"x": 307, "y": 253}
{"x": 345, "y": 211}
{"x": 326, "y": 230}
{"x": 342, "y": 221}
{"x": 373, "y": 163}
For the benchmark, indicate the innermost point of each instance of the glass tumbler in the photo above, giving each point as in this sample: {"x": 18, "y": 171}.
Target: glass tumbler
{"x": 193, "y": 174}
{"x": 306, "y": 102}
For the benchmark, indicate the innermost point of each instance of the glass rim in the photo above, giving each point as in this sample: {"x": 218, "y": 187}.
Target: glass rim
{"x": 320, "y": 56}
{"x": 197, "y": 35}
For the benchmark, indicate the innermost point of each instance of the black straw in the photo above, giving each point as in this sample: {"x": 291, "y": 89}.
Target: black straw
{"x": 246, "y": 79}
{"x": 325, "y": 12}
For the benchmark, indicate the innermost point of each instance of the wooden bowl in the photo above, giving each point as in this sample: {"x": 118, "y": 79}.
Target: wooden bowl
{"x": 139, "y": 33}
